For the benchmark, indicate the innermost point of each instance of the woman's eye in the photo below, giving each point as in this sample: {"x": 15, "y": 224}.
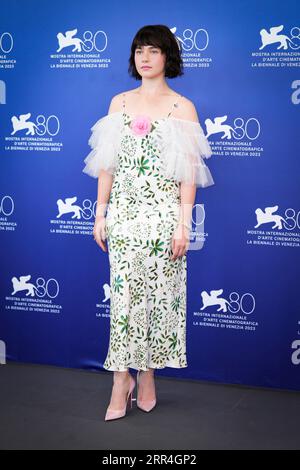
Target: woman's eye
{"x": 138, "y": 51}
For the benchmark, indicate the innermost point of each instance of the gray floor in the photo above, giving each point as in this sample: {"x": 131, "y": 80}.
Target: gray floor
{"x": 45, "y": 407}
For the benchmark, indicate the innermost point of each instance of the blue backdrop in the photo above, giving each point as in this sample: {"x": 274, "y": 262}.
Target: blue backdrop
{"x": 61, "y": 63}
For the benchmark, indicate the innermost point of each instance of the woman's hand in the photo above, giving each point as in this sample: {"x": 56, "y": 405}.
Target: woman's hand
{"x": 180, "y": 241}
{"x": 99, "y": 231}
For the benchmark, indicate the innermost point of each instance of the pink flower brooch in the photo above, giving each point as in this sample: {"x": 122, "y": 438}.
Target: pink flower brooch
{"x": 141, "y": 125}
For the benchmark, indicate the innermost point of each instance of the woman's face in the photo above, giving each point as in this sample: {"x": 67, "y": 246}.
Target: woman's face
{"x": 152, "y": 57}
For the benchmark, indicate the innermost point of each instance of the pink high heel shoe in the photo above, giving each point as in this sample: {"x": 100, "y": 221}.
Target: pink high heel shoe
{"x": 143, "y": 404}
{"x": 115, "y": 414}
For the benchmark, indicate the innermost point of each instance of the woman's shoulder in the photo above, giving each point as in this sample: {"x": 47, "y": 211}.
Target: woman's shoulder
{"x": 115, "y": 106}
{"x": 184, "y": 121}
{"x": 186, "y": 110}
{"x": 116, "y": 102}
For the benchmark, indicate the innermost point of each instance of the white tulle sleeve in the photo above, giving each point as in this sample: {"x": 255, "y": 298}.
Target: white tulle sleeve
{"x": 184, "y": 147}
{"x": 104, "y": 141}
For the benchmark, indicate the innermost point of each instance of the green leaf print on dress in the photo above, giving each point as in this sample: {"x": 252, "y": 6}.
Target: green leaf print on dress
{"x": 148, "y": 289}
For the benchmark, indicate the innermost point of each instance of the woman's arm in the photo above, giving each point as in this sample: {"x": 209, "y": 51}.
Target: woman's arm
{"x": 187, "y": 191}
{"x": 181, "y": 236}
{"x": 105, "y": 181}
{"x": 187, "y": 196}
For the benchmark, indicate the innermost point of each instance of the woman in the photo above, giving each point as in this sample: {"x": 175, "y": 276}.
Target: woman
{"x": 147, "y": 154}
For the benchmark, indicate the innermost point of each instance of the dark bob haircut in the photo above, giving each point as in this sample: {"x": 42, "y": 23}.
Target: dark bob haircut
{"x": 159, "y": 36}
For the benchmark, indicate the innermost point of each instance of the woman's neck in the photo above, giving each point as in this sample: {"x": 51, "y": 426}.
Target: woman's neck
{"x": 153, "y": 89}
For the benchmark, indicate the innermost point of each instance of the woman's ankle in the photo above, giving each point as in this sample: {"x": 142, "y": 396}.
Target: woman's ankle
{"x": 149, "y": 372}
{"x": 121, "y": 376}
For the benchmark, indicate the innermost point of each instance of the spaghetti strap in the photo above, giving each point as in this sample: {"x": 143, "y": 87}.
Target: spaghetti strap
{"x": 175, "y": 105}
{"x": 123, "y": 103}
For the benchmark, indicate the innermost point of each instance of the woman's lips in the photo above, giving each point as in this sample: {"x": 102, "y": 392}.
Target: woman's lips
{"x": 146, "y": 67}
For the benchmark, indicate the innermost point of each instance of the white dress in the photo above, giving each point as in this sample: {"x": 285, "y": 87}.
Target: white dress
{"x": 148, "y": 159}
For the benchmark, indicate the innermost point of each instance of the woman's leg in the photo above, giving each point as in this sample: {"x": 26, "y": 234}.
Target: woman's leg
{"x": 121, "y": 384}
{"x": 146, "y": 388}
